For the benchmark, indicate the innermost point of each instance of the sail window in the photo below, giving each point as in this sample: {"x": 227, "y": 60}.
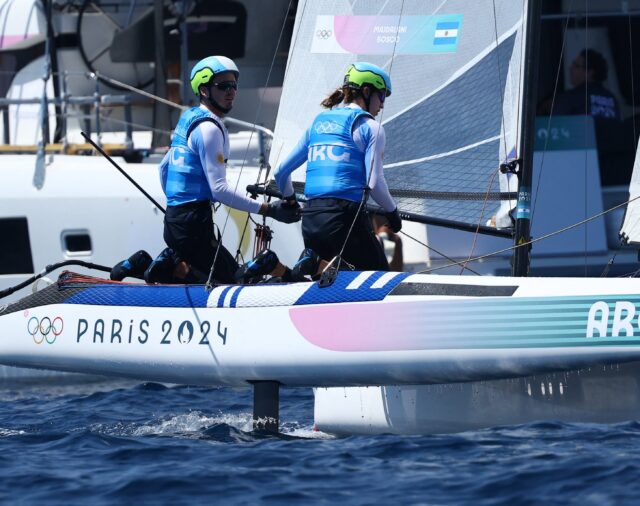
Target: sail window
{"x": 15, "y": 255}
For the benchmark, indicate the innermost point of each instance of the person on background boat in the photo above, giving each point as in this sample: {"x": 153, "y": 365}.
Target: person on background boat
{"x": 588, "y": 72}
{"x": 344, "y": 149}
{"x": 193, "y": 176}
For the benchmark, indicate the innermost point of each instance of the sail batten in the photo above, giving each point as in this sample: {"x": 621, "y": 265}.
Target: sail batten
{"x": 441, "y": 155}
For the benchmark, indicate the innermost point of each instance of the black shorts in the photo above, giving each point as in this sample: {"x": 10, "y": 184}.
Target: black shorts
{"x": 188, "y": 230}
{"x": 325, "y": 225}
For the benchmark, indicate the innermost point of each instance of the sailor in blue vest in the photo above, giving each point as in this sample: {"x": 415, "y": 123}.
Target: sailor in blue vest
{"x": 193, "y": 175}
{"x": 344, "y": 149}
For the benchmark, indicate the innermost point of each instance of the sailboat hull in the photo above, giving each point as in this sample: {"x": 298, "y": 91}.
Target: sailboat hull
{"x": 598, "y": 394}
{"x": 369, "y": 328}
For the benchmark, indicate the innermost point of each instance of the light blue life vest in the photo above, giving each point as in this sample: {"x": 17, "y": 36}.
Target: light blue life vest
{"x": 186, "y": 180}
{"x": 335, "y": 165}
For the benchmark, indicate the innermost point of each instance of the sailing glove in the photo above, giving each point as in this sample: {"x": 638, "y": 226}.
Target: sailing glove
{"x": 395, "y": 223}
{"x": 283, "y": 211}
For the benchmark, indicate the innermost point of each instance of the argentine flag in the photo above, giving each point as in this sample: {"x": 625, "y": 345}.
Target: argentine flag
{"x": 446, "y": 33}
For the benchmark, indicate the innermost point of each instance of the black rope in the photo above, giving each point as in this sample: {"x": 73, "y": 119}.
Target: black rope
{"x": 47, "y": 270}
{"x": 129, "y": 178}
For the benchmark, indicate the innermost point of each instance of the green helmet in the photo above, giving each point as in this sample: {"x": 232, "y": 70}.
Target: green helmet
{"x": 361, "y": 73}
{"x": 205, "y": 69}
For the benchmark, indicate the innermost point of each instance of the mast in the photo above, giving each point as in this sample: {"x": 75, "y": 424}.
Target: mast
{"x": 521, "y": 255}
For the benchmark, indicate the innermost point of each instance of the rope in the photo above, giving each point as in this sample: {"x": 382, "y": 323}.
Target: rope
{"x": 431, "y": 248}
{"x": 47, "y": 270}
{"x": 209, "y": 284}
{"x": 365, "y": 193}
{"x": 532, "y": 241}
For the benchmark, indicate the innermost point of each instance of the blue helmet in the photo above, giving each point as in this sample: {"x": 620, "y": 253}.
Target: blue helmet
{"x": 203, "y": 71}
{"x": 361, "y": 73}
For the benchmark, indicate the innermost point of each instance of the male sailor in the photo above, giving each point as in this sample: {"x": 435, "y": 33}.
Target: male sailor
{"x": 588, "y": 72}
{"x": 344, "y": 149}
{"x": 193, "y": 176}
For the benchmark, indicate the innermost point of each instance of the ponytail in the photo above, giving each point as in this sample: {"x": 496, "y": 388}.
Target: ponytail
{"x": 345, "y": 94}
{"x": 334, "y": 99}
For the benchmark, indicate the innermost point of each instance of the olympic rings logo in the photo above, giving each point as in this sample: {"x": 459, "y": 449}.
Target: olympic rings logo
{"x": 324, "y": 34}
{"x": 326, "y": 127}
{"x": 45, "y": 329}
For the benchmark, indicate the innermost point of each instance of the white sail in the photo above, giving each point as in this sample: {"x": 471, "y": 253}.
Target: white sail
{"x": 630, "y": 230}
{"x": 455, "y": 103}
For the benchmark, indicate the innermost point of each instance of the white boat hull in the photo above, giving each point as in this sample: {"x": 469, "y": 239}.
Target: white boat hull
{"x": 369, "y": 328}
{"x": 598, "y": 394}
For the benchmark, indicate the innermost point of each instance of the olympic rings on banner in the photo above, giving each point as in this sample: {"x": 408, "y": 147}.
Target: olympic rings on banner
{"x": 45, "y": 329}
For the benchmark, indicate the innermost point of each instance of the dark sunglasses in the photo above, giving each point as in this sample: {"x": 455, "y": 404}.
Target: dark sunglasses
{"x": 226, "y": 85}
{"x": 382, "y": 95}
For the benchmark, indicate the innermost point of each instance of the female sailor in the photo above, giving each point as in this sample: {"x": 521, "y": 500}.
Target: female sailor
{"x": 344, "y": 148}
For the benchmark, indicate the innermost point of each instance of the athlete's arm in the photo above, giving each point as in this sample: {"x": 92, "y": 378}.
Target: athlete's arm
{"x": 163, "y": 170}
{"x": 297, "y": 157}
{"x": 369, "y": 135}
{"x": 208, "y": 141}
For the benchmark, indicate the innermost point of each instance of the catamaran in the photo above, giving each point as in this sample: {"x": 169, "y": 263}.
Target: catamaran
{"x": 454, "y": 352}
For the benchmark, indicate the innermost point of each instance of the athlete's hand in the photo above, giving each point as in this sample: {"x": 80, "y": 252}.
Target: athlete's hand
{"x": 395, "y": 223}
{"x": 286, "y": 212}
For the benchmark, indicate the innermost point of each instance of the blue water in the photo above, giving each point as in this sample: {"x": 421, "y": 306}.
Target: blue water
{"x": 125, "y": 442}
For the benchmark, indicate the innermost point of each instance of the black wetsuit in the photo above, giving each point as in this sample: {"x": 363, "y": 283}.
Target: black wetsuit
{"x": 188, "y": 230}
{"x": 325, "y": 224}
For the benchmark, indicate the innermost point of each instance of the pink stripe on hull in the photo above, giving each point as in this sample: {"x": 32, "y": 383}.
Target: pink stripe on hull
{"x": 357, "y": 327}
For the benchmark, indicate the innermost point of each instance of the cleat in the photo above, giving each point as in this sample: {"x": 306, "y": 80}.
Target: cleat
{"x": 306, "y": 267}
{"x": 161, "y": 269}
{"x": 254, "y": 270}
{"x": 132, "y": 267}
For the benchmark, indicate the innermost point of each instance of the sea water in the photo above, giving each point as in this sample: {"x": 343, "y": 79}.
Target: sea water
{"x": 117, "y": 442}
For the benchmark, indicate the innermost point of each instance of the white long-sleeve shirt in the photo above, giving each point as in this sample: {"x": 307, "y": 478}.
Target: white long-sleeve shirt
{"x": 212, "y": 145}
{"x": 369, "y": 136}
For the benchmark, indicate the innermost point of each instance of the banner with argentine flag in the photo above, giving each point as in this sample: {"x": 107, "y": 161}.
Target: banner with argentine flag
{"x": 386, "y": 34}
{"x": 446, "y": 33}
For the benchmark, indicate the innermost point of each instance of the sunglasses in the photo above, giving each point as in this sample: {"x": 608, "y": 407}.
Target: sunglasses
{"x": 226, "y": 85}
{"x": 382, "y": 95}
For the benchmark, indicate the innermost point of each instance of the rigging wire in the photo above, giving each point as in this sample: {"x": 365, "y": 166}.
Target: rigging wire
{"x": 553, "y": 99}
{"x": 532, "y": 241}
{"x": 182, "y": 108}
{"x": 520, "y": 76}
{"x": 431, "y": 248}
{"x": 633, "y": 95}
{"x": 504, "y": 130}
{"x": 633, "y": 140}
{"x": 477, "y": 232}
{"x": 365, "y": 193}
{"x": 504, "y": 135}
{"x": 209, "y": 284}
{"x": 257, "y": 115}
